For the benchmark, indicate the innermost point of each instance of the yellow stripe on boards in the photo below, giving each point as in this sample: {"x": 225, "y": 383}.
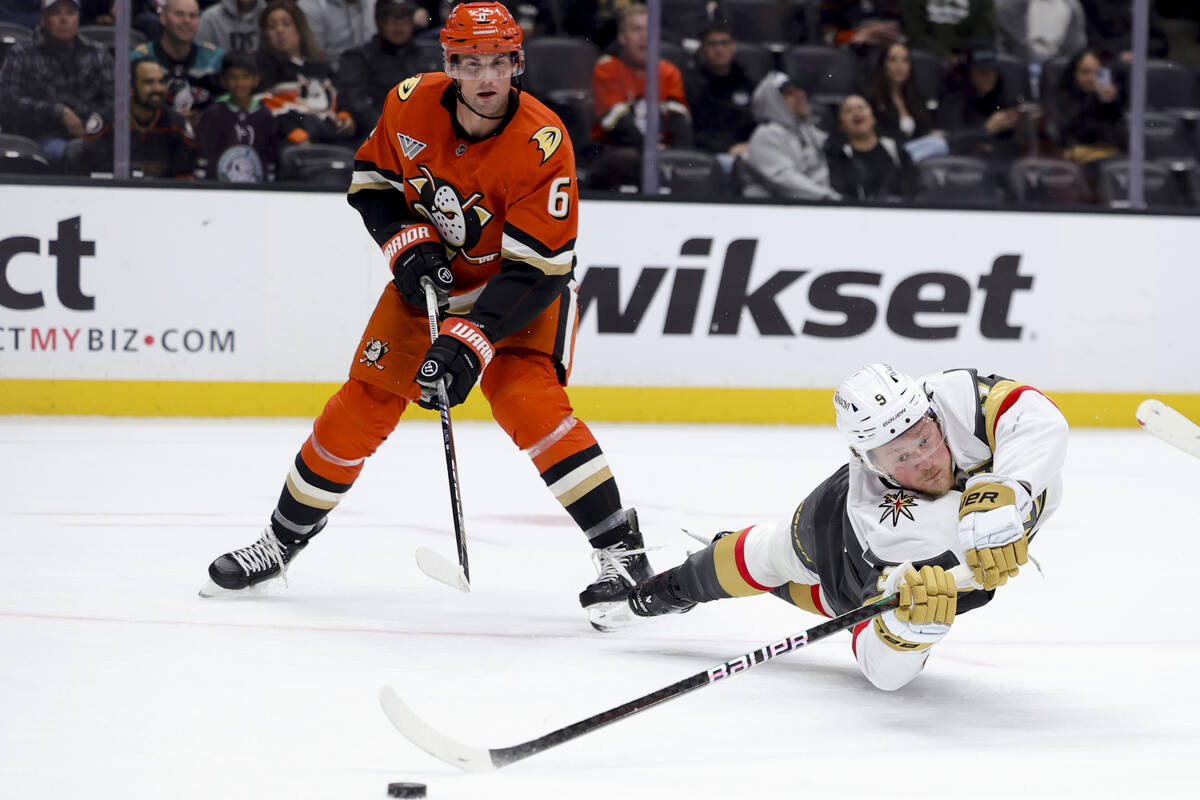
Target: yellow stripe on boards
{"x": 592, "y": 403}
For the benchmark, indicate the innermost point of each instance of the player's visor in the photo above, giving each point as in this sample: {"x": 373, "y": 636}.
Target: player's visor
{"x": 485, "y": 66}
{"x": 909, "y": 449}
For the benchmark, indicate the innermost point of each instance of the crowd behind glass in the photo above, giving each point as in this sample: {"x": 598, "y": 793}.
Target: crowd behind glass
{"x": 987, "y": 102}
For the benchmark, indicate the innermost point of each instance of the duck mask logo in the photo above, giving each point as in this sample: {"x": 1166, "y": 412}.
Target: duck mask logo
{"x": 459, "y": 220}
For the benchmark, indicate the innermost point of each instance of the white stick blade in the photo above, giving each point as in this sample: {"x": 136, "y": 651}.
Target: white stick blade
{"x": 432, "y": 741}
{"x": 442, "y": 570}
{"x": 1166, "y": 423}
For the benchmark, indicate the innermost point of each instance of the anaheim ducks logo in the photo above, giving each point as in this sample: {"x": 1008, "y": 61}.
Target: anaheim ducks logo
{"x": 372, "y": 352}
{"x": 896, "y": 504}
{"x": 548, "y": 139}
{"x": 460, "y": 220}
{"x": 405, "y": 89}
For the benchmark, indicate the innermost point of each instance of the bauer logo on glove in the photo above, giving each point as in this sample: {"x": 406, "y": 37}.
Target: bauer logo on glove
{"x": 991, "y": 528}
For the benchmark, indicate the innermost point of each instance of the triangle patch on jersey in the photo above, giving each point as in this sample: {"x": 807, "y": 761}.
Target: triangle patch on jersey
{"x": 409, "y": 146}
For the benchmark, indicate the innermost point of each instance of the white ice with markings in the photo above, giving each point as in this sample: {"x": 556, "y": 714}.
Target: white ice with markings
{"x": 117, "y": 681}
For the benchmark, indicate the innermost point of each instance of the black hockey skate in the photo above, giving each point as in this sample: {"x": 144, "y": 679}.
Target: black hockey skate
{"x": 662, "y": 594}
{"x": 622, "y": 566}
{"x": 243, "y": 568}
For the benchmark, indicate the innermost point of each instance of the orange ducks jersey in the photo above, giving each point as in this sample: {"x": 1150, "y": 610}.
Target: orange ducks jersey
{"x": 509, "y": 197}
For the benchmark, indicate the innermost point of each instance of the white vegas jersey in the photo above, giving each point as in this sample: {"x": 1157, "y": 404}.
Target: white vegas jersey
{"x": 836, "y": 550}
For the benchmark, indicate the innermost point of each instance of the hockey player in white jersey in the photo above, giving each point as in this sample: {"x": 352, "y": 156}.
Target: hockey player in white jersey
{"x": 951, "y": 468}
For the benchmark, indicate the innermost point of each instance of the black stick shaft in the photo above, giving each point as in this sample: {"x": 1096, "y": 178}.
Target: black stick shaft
{"x": 456, "y": 512}
{"x": 507, "y": 755}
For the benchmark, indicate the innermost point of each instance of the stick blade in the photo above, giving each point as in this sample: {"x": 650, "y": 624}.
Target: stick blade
{"x": 431, "y": 740}
{"x": 1159, "y": 419}
{"x": 442, "y": 570}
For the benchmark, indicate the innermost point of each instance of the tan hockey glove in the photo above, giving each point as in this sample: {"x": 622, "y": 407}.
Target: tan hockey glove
{"x": 928, "y": 602}
{"x": 991, "y": 528}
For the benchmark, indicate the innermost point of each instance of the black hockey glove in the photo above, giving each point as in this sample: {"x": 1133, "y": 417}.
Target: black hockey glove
{"x": 417, "y": 252}
{"x": 459, "y": 355}
{"x": 661, "y": 594}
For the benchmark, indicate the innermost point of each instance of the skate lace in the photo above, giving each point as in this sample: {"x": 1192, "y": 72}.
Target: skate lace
{"x": 262, "y": 555}
{"x": 612, "y": 560}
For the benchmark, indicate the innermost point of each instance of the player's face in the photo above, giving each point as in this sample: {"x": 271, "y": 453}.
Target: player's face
{"x": 918, "y": 459}
{"x": 484, "y": 80}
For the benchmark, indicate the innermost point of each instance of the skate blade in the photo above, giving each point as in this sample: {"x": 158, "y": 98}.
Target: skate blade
{"x": 211, "y": 591}
{"x": 607, "y": 617}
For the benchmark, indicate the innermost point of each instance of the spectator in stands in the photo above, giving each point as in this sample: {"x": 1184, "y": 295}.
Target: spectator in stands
{"x": 238, "y": 136}
{"x": 298, "y": 79}
{"x": 231, "y": 25}
{"x": 786, "y": 149}
{"x": 367, "y": 73}
{"x": 1039, "y": 30}
{"x": 901, "y": 112}
{"x": 1087, "y": 113}
{"x": 947, "y": 27}
{"x": 340, "y": 25}
{"x": 619, "y": 88}
{"x": 1110, "y": 30}
{"x": 861, "y": 23}
{"x": 58, "y": 85}
{"x": 980, "y": 115}
{"x": 193, "y": 67}
{"x": 161, "y": 144}
{"x": 718, "y": 94}
{"x": 864, "y": 165}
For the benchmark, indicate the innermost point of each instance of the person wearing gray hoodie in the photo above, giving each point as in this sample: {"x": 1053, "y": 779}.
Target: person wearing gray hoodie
{"x": 231, "y": 25}
{"x": 786, "y": 149}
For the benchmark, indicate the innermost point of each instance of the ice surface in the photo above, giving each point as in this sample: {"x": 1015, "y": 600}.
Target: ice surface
{"x": 117, "y": 681}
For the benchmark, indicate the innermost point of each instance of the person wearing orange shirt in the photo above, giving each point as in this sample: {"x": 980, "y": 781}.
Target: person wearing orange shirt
{"x": 619, "y": 88}
{"x": 469, "y": 184}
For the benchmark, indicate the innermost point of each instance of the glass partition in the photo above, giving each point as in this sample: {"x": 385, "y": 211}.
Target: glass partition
{"x": 993, "y": 104}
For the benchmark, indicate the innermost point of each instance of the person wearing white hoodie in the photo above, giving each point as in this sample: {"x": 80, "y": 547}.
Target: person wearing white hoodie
{"x": 786, "y": 149}
{"x": 231, "y": 25}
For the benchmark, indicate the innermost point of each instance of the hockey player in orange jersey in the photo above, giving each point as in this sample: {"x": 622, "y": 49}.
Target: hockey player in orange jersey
{"x": 471, "y": 184}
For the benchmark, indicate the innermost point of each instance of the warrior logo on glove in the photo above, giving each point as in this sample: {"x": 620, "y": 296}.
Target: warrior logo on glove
{"x": 429, "y": 368}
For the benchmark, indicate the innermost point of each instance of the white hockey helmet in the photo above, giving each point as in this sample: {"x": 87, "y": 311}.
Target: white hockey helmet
{"x": 877, "y": 404}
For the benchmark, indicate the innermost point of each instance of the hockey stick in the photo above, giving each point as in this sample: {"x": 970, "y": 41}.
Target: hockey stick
{"x": 1166, "y": 423}
{"x": 479, "y": 759}
{"x": 435, "y": 566}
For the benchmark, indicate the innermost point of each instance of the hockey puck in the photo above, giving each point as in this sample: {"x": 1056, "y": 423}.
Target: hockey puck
{"x": 406, "y": 790}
